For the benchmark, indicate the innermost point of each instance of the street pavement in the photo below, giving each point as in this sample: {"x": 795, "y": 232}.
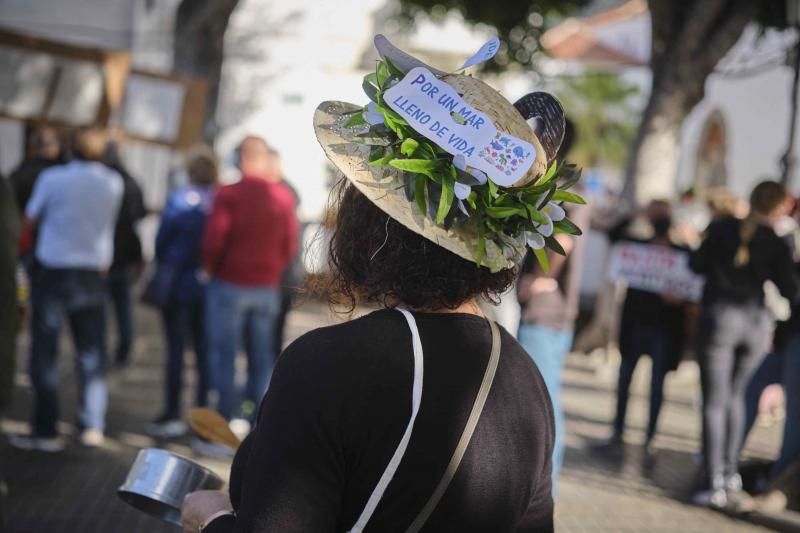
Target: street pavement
{"x": 599, "y": 491}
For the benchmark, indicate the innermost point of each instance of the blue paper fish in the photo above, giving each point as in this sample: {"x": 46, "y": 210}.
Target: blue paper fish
{"x": 519, "y": 152}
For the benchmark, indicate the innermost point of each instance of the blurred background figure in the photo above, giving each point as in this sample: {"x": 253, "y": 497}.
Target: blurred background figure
{"x": 549, "y": 307}
{"x": 250, "y": 237}
{"x": 9, "y": 301}
{"x": 43, "y": 151}
{"x": 737, "y": 257}
{"x": 75, "y": 207}
{"x": 652, "y": 324}
{"x": 781, "y": 367}
{"x": 293, "y": 276}
{"x": 182, "y": 286}
{"x": 128, "y": 261}
{"x": 9, "y": 235}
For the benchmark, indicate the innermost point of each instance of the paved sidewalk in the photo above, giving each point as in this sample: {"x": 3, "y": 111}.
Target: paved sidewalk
{"x": 74, "y": 492}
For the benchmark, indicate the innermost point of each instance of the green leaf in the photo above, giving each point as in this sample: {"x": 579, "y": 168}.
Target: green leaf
{"x": 541, "y": 256}
{"x": 480, "y": 251}
{"x": 571, "y": 180}
{"x": 492, "y": 188}
{"x": 380, "y": 155}
{"x": 427, "y": 150}
{"x": 434, "y": 191}
{"x": 408, "y": 147}
{"x": 355, "y": 120}
{"x": 419, "y": 193}
{"x": 535, "y": 215}
{"x": 465, "y": 177}
{"x": 393, "y": 69}
{"x": 446, "y": 200}
{"x": 382, "y": 74}
{"x": 408, "y": 186}
{"x": 372, "y": 78}
{"x": 549, "y": 175}
{"x": 552, "y": 243}
{"x": 370, "y": 90}
{"x": 566, "y": 226}
{"x": 389, "y": 113}
{"x": 564, "y": 196}
{"x": 416, "y": 166}
{"x": 371, "y": 138}
{"x": 548, "y": 196}
{"x": 505, "y": 212}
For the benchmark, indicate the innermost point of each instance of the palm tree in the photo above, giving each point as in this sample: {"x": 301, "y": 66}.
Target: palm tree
{"x": 599, "y": 103}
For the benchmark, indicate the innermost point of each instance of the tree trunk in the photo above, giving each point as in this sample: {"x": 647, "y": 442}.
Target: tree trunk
{"x": 653, "y": 162}
{"x": 788, "y": 161}
{"x": 689, "y": 39}
{"x": 199, "y": 48}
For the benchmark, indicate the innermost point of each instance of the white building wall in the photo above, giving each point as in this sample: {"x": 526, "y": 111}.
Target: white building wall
{"x": 96, "y": 23}
{"x": 756, "y": 114}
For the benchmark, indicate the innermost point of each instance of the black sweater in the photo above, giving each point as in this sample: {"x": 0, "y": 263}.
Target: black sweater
{"x": 770, "y": 259}
{"x": 338, "y": 404}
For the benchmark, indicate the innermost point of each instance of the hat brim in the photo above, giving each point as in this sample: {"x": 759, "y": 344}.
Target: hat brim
{"x": 384, "y": 188}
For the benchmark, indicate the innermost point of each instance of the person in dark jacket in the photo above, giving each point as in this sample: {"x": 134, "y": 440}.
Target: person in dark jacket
{"x": 44, "y": 150}
{"x": 291, "y": 279}
{"x": 9, "y": 234}
{"x": 652, "y": 324}
{"x": 128, "y": 261}
{"x": 736, "y": 257}
{"x": 178, "y": 257}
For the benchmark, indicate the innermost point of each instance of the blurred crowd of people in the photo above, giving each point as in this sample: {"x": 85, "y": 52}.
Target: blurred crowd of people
{"x": 743, "y": 329}
{"x": 226, "y": 265}
{"x": 223, "y": 276}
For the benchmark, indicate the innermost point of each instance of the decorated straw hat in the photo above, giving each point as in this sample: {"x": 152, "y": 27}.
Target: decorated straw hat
{"x": 451, "y": 159}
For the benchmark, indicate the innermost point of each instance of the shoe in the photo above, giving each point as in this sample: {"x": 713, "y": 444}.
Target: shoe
{"x": 649, "y": 446}
{"x": 92, "y": 438}
{"x": 612, "y": 444}
{"x": 39, "y": 444}
{"x": 167, "y": 427}
{"x": 714, "y": 498}
{"x": 212, "y": 449}
{"x": 733, "y": 483}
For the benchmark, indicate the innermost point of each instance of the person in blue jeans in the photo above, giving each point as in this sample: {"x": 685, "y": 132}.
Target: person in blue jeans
{"x": 781, "y": 366}
{"x": 183, "y": 315}
{"x": 549, "y": 302}
{"x": 249, "y": 239}
{"x": 74, "y": 206}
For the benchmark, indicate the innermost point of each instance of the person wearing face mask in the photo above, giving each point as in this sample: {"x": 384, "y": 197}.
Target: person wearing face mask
{"x": 652, "y": 324}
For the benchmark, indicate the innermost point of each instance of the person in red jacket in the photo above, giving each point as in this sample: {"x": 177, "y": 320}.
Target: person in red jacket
{"x": 249, "y": 239}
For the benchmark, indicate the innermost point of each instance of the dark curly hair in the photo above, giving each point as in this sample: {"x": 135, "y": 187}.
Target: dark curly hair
{"x": 373, "y": 258}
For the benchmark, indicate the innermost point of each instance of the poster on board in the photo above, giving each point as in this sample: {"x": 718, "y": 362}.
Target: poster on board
{"x": 655, "y": 268}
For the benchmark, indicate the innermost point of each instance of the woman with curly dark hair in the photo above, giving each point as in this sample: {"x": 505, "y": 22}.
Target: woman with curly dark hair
{"x": 422, "y": 414}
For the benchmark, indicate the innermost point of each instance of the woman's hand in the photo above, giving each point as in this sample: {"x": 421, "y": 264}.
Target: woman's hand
{"x": 199, "y": 506}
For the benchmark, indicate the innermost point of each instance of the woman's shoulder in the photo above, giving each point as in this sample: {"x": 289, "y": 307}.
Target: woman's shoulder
{"x": 520, "y": 365}
{"x": 354, "y": 338}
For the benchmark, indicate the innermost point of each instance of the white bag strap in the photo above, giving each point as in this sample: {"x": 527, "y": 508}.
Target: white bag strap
{"x": 416, "y": 398}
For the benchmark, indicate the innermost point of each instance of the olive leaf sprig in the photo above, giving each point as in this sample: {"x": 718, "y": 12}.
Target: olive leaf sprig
{"x": 453, "y": 194}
